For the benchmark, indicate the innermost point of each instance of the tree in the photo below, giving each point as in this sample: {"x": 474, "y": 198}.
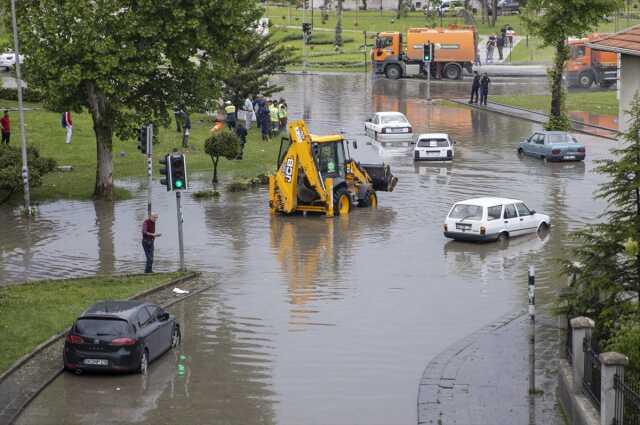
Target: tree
{"x": 11, "y": 170}
{"x": 606, "y": 259}
{"x": 400, "y": 9}
{"x": 225, "y": 144}
{"x": 129, "y": 61}
{"x": 251, "y": 65}
{"x": 364, "y": 5}
{"x": 338, "y": 32}
{"x": 554, "y": 21}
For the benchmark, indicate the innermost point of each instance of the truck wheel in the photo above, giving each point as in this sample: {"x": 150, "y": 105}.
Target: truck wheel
{"x": 341, "y": 202}
{"x": 585, "y": 80}
{"x": 370, "y": 200}
{"x": 452, "y": 71}
{"x": 393, "y": 72}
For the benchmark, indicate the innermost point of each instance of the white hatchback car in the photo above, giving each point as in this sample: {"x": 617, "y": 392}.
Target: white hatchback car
{"x": 489, "y": 219}
{"x": 391, "y": 128}
{"x": 433, "y": 147}
{"x": 8, "y": 60}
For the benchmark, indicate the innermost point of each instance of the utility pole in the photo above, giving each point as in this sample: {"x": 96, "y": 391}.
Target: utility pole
{"x": 149, "y": 164}
{"x": 23, "y": 136}
{"x": 366, "y": 59}
{"x": 532, "y": 344}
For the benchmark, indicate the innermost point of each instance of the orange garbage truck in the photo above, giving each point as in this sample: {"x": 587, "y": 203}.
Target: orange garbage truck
{"x": 587, "y": 66}
{"x": 455, "y": 49}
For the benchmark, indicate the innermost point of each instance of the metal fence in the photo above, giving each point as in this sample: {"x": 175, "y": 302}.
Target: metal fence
{"x": 627, "y": 401}
{"x": 592, "y": 370}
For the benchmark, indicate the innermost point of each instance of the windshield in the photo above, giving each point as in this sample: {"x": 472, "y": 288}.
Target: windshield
{"x": 382, "y": 42}
{"x": 99, "y": 327}
{"x": 330, "y": 158}
{"x": 396, "y": 118}
{"x": 433, "y": 143}
{"x": 466, "y": 212}
{"x": 559, "y": 138}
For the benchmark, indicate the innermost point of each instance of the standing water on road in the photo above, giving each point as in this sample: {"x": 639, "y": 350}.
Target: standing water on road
{"x": 315, "y": 320}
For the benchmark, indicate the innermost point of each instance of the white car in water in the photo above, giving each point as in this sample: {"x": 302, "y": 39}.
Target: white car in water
{"x": 433, "y": 147}
{"x": 490, "y": 219}
{"x": 390, "y": 129}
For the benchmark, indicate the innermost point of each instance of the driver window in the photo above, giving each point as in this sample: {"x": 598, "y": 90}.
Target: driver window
{"x": 143, "y": 318}
{"x": 539, "y": 139}
{"x": 384, "y": 42}
{"x": 510, "y": 211}
{"x": 522, "y": 209}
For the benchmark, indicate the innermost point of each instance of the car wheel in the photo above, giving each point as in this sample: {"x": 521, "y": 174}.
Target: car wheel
{"x": 503, "y": 237}
{"x": 144, "y": 363}
{"x": 520, "y": 151}
{"x": 370, "y": 200}
{"x": 393, "y": 72}
{"x": 176, "y": 336}
{"x": 341, "y": 202}
{"x": 544, "y": 227}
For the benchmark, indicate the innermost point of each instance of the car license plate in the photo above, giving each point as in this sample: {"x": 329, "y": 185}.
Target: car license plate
{"x": 96, "y": 362}
{"x": 569, "y": 157}
{"x": 463, "y": 227}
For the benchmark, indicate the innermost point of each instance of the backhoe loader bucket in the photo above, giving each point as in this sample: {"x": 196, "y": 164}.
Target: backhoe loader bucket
{"x": 381, "y": 177}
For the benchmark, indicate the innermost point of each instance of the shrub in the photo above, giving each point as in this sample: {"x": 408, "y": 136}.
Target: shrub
{"x": 11, "y": 169}
{"x": 224, "y": 144}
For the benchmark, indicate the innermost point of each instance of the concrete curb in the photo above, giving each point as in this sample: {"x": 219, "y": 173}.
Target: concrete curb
{"x": 441, "y": 371}
{"x": 18, "y": 364}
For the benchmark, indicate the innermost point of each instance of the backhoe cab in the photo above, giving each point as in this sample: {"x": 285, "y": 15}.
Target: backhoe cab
{"x": 316, "y": 174}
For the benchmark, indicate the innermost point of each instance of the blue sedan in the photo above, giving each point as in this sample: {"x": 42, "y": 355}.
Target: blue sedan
{"x": 552, "y": 146}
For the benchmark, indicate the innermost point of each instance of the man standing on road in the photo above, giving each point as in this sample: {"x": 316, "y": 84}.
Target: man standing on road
{"x": 68, "y": 125}
{"x": 6, "y": 127}
{"x": 148, "y": 236}
{"x": 484, "y": 89}
{"x": 475, "y": 87}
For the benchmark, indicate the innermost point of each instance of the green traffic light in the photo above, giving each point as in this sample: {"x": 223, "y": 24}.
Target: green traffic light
{"x": 178, "y": 184}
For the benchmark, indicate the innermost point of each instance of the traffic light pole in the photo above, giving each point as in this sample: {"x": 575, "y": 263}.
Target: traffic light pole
{"x": 180, "y": 220}
{"x": 149, "y": 164}
{"x": 429, "y": 81}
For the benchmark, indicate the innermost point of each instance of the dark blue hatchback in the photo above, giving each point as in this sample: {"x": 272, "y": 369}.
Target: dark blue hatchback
{"x": 119, "y": 336}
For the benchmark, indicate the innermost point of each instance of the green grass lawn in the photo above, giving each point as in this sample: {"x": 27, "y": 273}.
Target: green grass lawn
{"x": 33, "y": 312}
{"x": 45, "y": 132}
{"x": 531, "y": 51}
{"x": 597, "y": 102}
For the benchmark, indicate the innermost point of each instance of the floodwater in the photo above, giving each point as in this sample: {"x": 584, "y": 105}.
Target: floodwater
{"x": 316, "y": 320}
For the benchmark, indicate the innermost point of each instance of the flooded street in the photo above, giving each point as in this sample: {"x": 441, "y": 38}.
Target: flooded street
{"x": 316, "y": 320}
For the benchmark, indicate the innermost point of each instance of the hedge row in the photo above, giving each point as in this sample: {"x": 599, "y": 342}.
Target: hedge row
{"x": 28, "y": 95}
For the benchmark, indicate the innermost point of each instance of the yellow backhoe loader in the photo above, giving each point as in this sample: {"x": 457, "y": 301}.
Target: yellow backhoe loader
{"x": 316, "y": 174}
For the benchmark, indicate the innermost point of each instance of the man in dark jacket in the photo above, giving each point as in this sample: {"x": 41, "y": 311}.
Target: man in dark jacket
{"x": 484, "y": 88}
{"x": 148, "y": 236}
{"x": 500, "y": 43}
{"x": 475, "y": 87}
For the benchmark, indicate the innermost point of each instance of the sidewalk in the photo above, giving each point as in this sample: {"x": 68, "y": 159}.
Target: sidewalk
{"x": 541, "y": 118}
{"x": 484, "y": 379}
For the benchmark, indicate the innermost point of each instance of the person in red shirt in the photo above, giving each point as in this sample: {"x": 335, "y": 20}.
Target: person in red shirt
{"x": 148, "y": 236}
{"x": 6, "y": 127}
{"x": 68, "y": 125}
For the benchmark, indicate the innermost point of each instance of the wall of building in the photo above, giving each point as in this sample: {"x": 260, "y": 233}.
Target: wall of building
{"x": 629, "y": 86}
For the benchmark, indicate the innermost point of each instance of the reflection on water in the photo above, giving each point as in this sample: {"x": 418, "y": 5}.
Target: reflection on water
{"x": 392, "y": 289}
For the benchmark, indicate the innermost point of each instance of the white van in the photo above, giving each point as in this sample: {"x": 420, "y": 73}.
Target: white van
{"x": 490, "y": 219}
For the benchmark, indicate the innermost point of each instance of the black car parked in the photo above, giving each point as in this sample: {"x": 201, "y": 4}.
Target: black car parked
{"x": 119, "y": 336}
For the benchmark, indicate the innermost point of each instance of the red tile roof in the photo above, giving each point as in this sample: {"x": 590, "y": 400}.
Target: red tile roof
{"x": 627, "y": 42}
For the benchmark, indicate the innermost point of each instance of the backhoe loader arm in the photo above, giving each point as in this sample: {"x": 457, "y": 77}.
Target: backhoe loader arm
{"x": 283, "y": 186}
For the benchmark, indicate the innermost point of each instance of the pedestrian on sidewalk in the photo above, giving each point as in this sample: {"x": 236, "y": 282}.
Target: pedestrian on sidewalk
{"x": 186, "y": 126}
{"x": 6, "y": 127}
{"x": 148, "y": 237}
{"x": 491, "y": 44}
{"x": 500, "y": 43}
{"x": 68, "y": 125}
{"x": 484, "y": 88}
{"x": 177, "y": 115}
{"x": 475, "y": 87}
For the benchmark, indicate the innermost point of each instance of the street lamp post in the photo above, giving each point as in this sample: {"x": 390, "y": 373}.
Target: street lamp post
{"x": 23, "y": 136}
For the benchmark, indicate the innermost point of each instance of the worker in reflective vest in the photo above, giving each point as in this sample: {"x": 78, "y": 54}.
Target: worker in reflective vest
{"x": 230, "y": 110}
{"x": 282, "y": 114}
